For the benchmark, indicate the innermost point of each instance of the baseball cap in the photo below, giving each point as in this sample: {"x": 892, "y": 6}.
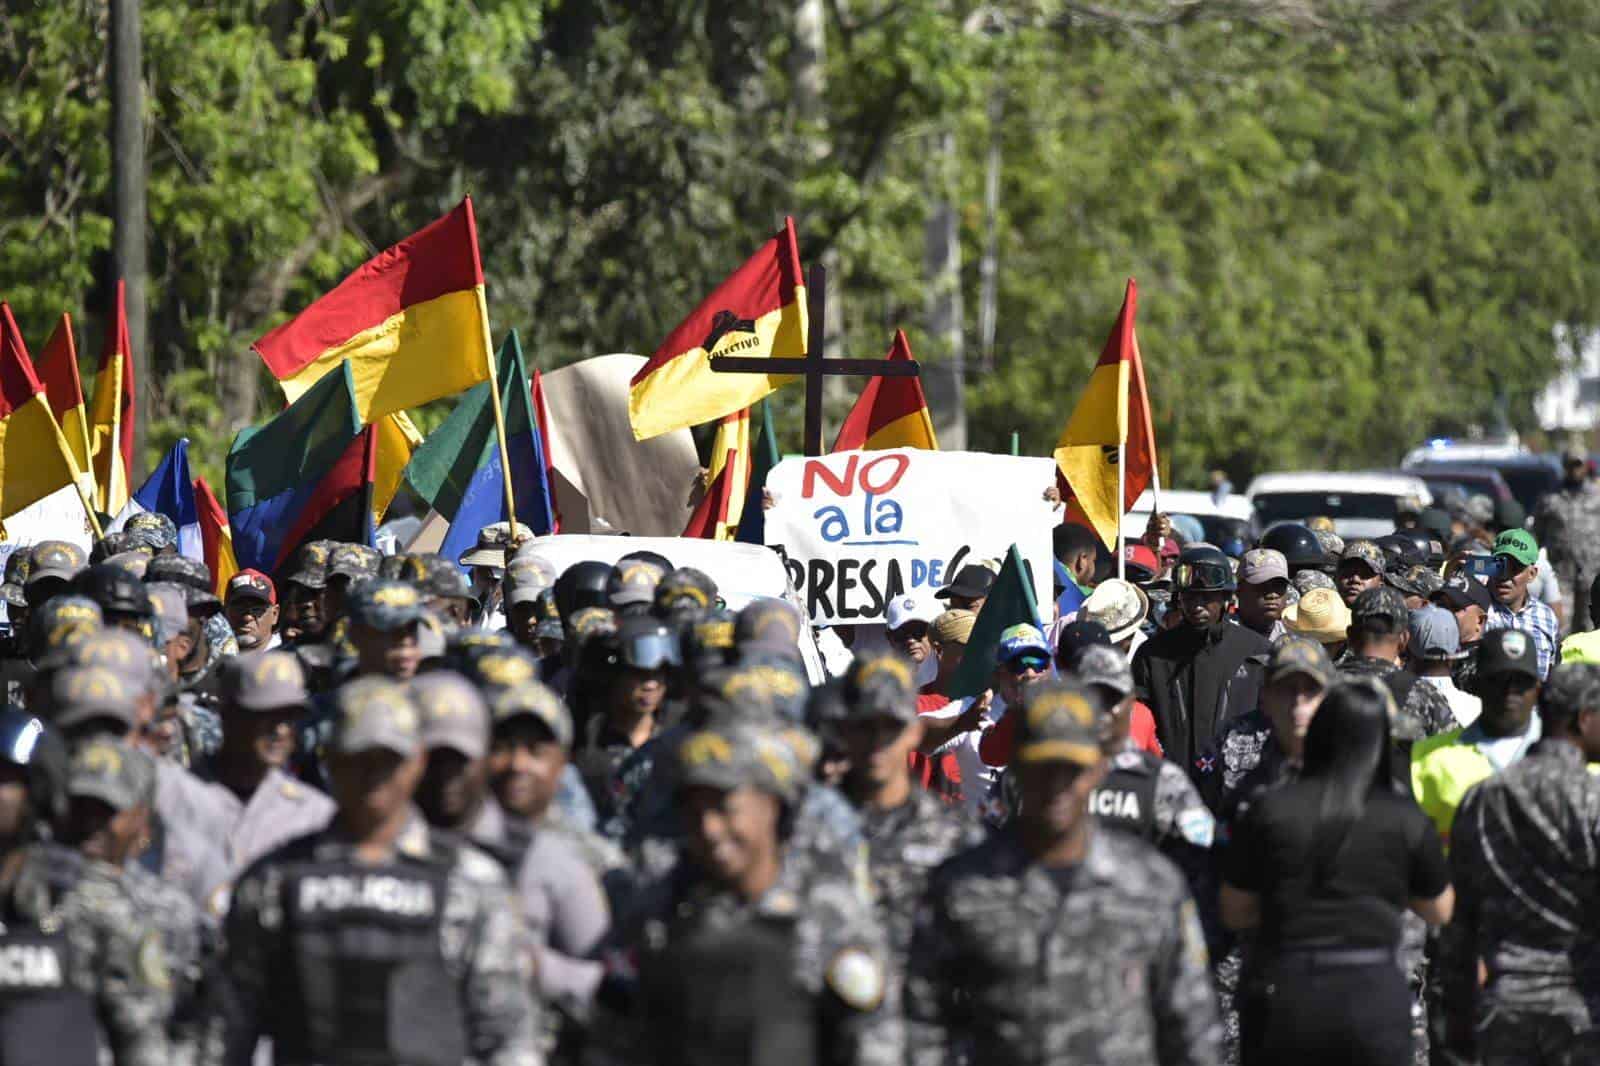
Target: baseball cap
{"x": 386, "y": 605}
{"x": 1507, "y": 651}
{"x": 1412, "y": 580}
{"x": 150, "y": 530}
{"x": 1299, "y": 655}
{"x": 119, "y": 651}
{"x": 490, "y": 549}
{"x": 454, "y": 714}
{"x": 353, "y": 561}
{"x": 171, "y": 606}
{"x": 1435, "y": 636}
{"x": 1363, "y": 551}
{"x": 1261, "y": 565}
{"x": 1307, "y": 580}
{"x": 1019, "y": 640}
{"x": 753, "y": 692}
{"x": 57, "y": 559}
{"x": 954, "y": 626}
{"x": 880, "y": 686}
{"x": 59, "y": 624}
{"x": 1059, "y": 722}
{"x": 117, "y": 774}
{"x": 191, "y": 574}
{"x": 527, "y": 578}
{"x": 1140, "y": 563}
{"x": 309, "y": 565}
{"x": 375, "y": 712}
{"x": 1519, "y": 545}
{"x": 1119, "y": 606}
{"x": 496, "y": 668}
{"x": 265, "y": 681}
{"x": 768, "y": 625}
{"x": 633, "y": 582}
{"x": 132, "y": 563}
{"x": 1077, "y": 635}
{"x": 83, "y": 693}
{"x": 733, "y": 757}
{"x": 439, "y": 578}
{"x": 531, "y": 699}
{"x": 1380, "y": 602}
{"x": 910, "y": 607}
{"x": 1461, "y": 591}
{"x": 686, "y": 588}
{"x": 971, "y": 582}
{"x": 251, "y": 585}
{"x": 1100, "y": 664}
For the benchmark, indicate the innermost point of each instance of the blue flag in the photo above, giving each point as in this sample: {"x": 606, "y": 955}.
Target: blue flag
{"x": 169, "y": 490}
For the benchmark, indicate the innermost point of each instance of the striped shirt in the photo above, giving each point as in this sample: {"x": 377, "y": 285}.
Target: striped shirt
{"x": 1535, "y": 619}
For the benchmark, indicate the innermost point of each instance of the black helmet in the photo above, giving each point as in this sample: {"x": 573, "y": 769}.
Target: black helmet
{"x": 114, "y": 589}
{"x": 1204, "y": 568}
{"x": 1299, "y": 545}
{"x": 1407, "y": 547}
{"x": 582, "y": 585}
{"x": 646, "y": 643}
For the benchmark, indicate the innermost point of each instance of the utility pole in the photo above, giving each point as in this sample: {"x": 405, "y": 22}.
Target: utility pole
{"x": 128, "y": 250}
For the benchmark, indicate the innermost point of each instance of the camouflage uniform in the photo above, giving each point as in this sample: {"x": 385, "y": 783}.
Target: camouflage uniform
{"x": 1567, "y": 523}
{"x": 187, "y": 943}
{"x": 115, "y": 952}
{"x": 904, "y": 846}
{"x": 1425, "y": 712}
{"x": 1524, "y": 858}
{"x": 1009, "y": 969}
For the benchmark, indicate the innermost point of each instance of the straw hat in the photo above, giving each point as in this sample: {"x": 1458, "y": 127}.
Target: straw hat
{"x": 1120, "y": 606}
{"x": 1320, "y": 615}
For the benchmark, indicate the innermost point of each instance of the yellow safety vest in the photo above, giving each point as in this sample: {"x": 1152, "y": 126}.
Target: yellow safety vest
{"x": 1442, "y": 769}
{"x": 1581, "y": 648}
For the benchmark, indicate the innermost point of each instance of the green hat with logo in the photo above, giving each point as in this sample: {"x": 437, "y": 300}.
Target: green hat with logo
{"x": 1519, "y": 545}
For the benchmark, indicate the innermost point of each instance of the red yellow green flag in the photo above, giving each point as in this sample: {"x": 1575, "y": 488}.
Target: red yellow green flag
{"x": 758, "y": 312}
{"x": 396, "y": 439}
{"x": 111, "y": 413}
{"x": 411, "y": 321}
{"x": 34, "y": 458}
{"x": 890, "y": 413}
{"x": 1113, "y": 411}
{"x": 216, "y": 537}
{"x": 727, "y": 482}
{"x": 58, "y": 372}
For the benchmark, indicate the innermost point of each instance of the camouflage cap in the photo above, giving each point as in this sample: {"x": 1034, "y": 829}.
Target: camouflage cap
{"x": 465, "y": 643}
{"x": 402, "y": 566}
{"x": 883, "y": 685}
{"x": 771, "y": 625}
{"x": 1415, "y": 580}
{"x": 353, "y": 561}
{"x": 633, "y": 582}
{"x": 1380, "y": 602}
{"x": 1319, "y": 523}
{"x": 1103, "y": 665}
{"x": 1260, "y": 565}
{"x": 17, "y": 565}
{"x": 686, "y": 589}
{"x": 1363, "y": 551}
{"x": 497, "y": 668}
{"x": 1331, "y": 543}
{"x": 431, "y": 641}
{"x": 114, "y": 589}
{"x": 55, "y": 627}
{"x": 385, "y": 605}
{"x": 1306, "y": 580}
{"x": 309, "y": 565}
{"x": 729, "y": 758}
{"x": 172, "y": 609}
{"x": 454, "y": 714}
{"x": 57, "y": 559}
{"x": 442, "y": 579}
{"x": 192, "y": 574}
{"x": 113, "y": 772}
{"x": 84, "y": 693}
{"x": 1059, "y": 722}
{"x": 549, "y": 626}
{"x": 11, "y": 595}
{"x": 107, "y": 546}
{"x": 1298, "y": 655}
{"x": 533, "y": 700}
{"x": 528, "y": 578}
{"x": 133, "y": 563}
{"x": 264, "y": 681}
{"x": 763, "y": 692}
{"x": 490, "y": 550}
{"x": 151, "y": 530}
{"x": 375, "y": 712}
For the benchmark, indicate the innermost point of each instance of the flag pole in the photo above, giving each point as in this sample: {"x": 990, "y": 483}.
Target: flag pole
{"x": 1122, "y": 481}
{"x": 500, "y": 431}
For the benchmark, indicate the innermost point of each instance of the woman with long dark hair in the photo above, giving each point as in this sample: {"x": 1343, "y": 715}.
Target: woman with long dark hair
{"x": 1322, "y": 868}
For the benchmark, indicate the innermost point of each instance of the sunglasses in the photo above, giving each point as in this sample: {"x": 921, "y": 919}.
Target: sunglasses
{"x": 1030, "y": 663}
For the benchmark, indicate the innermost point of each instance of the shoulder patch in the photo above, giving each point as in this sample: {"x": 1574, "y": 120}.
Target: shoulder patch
{"x": 152, "y": 962}
{"x": 290, "y": 791}
{"x": 221, "y": 896}
{"x": 857, "y": 978}
{"x": 1197, "y": 826}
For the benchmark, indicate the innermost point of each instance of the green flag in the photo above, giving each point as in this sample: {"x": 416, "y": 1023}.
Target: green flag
{"x": 1010, "y": 603}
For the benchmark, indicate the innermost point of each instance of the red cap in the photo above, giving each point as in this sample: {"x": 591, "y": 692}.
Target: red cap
{"x": 1141, "y": 555}
{"x": 252, "y": 584}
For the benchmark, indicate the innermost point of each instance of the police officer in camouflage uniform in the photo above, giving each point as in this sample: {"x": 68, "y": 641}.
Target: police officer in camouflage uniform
{"x": 909, "y": 832}
{"x": 1525, "y": 861}
{"x": 1055, "y": 940}
{"x": 14, "y": 667}
{"x": 1379, "y": 628}
{"x": 378, "y": 939}
{"x": 749, "y": 950}
{"x": 1567, "y": 523}
{"x": 1261, "y": 748}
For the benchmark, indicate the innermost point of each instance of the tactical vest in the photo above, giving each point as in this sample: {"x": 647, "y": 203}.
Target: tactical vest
{"x": 1126, "y": 798}
{"x": 364, "y": 980}
{"x": 45, "y": 1017}
{"x": 510, "y": 851}
{"x": 727, "y": 995}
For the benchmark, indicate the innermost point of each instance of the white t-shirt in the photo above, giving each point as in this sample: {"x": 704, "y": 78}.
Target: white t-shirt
{"x": 977, "y": 777}
{"x": 1464, "y": 705}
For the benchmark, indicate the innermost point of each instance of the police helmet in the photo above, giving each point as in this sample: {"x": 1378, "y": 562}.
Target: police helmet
{"x": 1204, "y": 568}
{"x": 1300, "y": 547}
{"x": 582, "y": 585}
{"x": 1401, "y": 550}
{"x": 645, "y": 643}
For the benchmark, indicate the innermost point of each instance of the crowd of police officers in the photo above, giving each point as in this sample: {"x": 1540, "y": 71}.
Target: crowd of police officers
{"x": 410, "y": 809}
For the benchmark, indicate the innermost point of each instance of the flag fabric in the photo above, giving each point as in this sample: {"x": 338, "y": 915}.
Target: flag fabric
{"x": 411, "y": 323}
{"x": 458, "y": 471}
{"x": 397, "y": 441}
{"x": 58, "y": 372}
{"x": 215, "y": 537}
{"x": 759, "y": 311}
{"x": 890, "y": 413}
{"x": 541, "y": 418}
{"x": 304, "y": 474}
{"x": 34, "y": 458}
{"x": 1113, "y": 410}
{"x": 717, "y": 515}
{"x": 764, "y": 456}
{"x": 112, "y": 412}
{"x": 169, "y": 490}
{"x": 1010, "y": 602}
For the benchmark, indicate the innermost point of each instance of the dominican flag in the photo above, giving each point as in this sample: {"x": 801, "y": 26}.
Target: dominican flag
{"x": 170, "y": 491}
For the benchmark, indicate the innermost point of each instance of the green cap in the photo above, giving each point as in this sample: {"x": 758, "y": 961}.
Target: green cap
{"x": 1519, "y": 544}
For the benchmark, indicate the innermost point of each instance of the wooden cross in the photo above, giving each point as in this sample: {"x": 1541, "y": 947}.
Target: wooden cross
{"x": 814, "y": 368}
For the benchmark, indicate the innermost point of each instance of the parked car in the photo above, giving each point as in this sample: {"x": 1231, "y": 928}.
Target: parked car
{"x": 1442, "y": 478}
{"x": 1360, "y": 504}
{"x": 1217, "y": 521}
{"x": 1530, "y": 477}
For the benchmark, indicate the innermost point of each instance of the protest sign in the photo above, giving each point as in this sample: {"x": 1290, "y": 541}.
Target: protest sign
{"x": 857, "y": 529}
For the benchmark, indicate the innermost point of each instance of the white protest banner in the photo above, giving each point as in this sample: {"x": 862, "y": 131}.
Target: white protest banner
{"x": 859, "y": 528}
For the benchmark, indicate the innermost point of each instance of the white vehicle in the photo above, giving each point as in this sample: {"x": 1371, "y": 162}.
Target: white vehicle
{"x": 1361, "y": 505}
{"x": 1217, "y": 521}
{"x": 743, "y": 572}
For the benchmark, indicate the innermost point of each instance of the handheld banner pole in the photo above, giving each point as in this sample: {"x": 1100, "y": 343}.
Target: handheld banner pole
{"x": 500, "y": 432}
{"x": 1122, "y": 482}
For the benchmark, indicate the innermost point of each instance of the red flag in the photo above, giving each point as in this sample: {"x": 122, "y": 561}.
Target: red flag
{"x": 891, "y": 412}
{"x": 215, "y": 536}
{"x": 541, "y": 416}
{"x": 113, "y": 411}
{"x": 717, "y": 516}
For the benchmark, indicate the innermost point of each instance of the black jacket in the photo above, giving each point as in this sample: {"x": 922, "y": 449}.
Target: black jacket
{"x": 1194, "y": 682}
